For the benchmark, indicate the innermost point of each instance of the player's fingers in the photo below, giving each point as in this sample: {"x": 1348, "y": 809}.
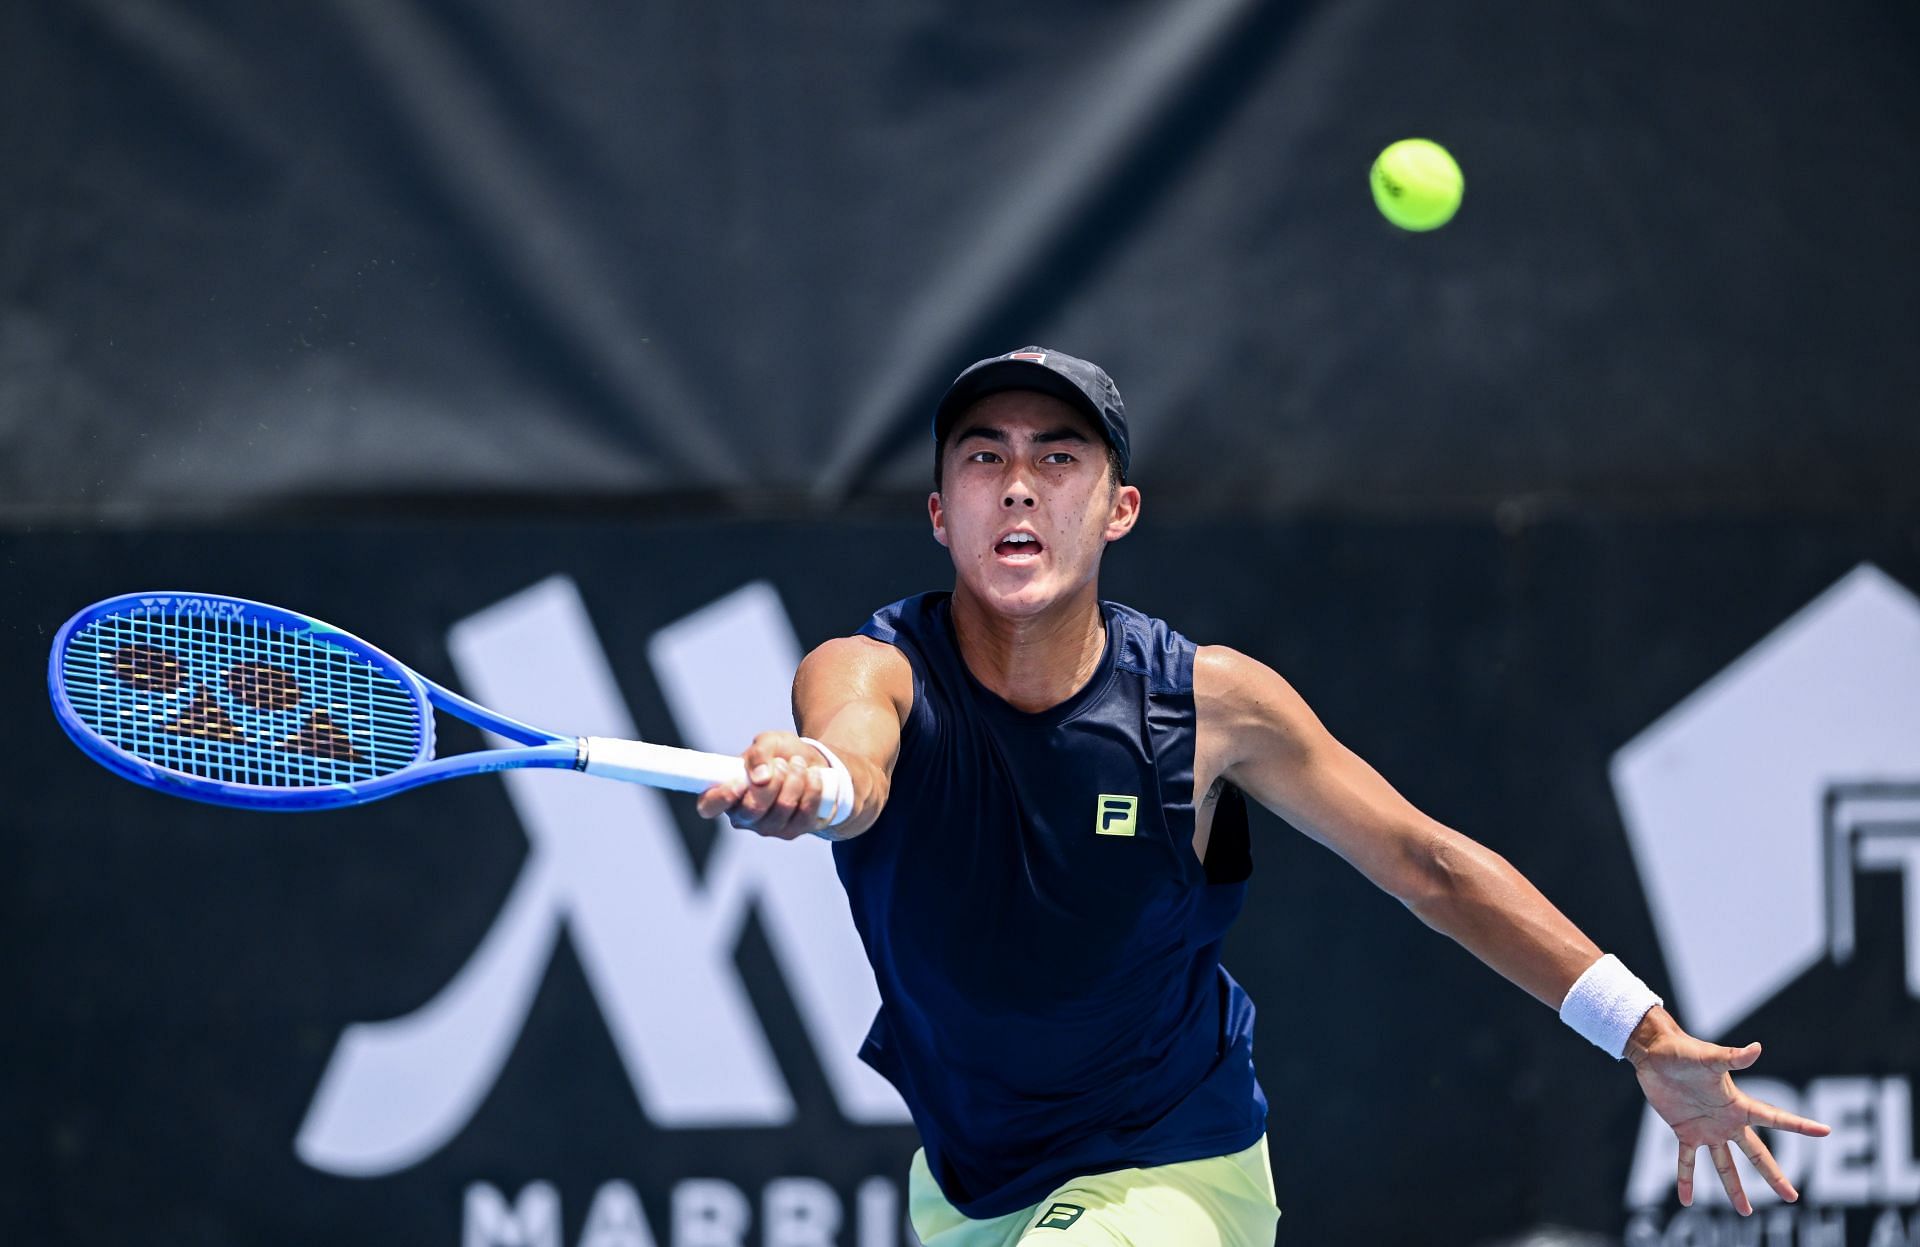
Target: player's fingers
{"x": 769, "y": 779}
{"x": 787, "y": 820}
{"x": 1761, "y": 1113}
{"x": 1740, "y": 1058}
{"x": 720, "y": 798}
{"x": 1729, "y": 1177}
{"x": 758, "y": 758}
{"x": 763, "y": 787}
{"x": 1765, "y": 1165}
{"x": 768, "y": 746}
{"x": 1685, "y": 1184}
{"x": 806, "y": 807}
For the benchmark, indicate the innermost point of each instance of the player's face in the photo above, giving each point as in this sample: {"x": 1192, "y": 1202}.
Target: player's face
{"x": 1026, "y": 506}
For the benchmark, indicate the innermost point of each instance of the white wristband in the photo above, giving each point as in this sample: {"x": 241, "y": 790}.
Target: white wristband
{"x": 843, "y": 794}
{"x": 1606, "y": 1003}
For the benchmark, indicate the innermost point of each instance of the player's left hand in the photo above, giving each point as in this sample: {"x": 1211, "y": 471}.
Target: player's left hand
{"x": 1689, "y": 1082}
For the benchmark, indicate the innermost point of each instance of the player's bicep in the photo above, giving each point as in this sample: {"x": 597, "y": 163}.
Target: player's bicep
{"x": 1276, "y": 750}
{"x": 853, "y": 694}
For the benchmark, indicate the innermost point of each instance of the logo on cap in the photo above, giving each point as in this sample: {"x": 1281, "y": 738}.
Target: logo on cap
{"x": 1038, "y": 357}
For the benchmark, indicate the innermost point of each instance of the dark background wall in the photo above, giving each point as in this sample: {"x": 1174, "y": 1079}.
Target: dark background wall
{"x": 318, "y": 259}
{"x": 387, "y": 311}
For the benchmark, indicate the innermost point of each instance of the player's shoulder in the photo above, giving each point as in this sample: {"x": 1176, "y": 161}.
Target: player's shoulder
{"x": 856, "y": 667}
{"x": 857, "y": 653}
{"x": 1223, "y": 662}
{"x": 1219, "y": 670}
{"x": 1231, "y": 685}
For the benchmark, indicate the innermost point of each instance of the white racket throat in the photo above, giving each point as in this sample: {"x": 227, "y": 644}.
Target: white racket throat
{"x": 689, "y": 770}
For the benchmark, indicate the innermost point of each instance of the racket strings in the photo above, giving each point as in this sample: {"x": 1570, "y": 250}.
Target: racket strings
{"x": 239, "y": 701}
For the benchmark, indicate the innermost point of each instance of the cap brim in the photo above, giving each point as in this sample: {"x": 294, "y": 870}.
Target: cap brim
{"x": 1012, "y": 374}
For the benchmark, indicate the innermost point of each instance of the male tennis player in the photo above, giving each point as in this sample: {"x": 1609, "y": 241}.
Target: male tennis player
{"x": 1047, "y": 844}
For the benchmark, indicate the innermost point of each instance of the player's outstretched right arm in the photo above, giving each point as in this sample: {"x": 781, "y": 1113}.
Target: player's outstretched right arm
{"x": 852, "y": 694}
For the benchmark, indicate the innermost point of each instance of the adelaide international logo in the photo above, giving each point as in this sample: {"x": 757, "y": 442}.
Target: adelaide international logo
{"x": 1781, "y": 800}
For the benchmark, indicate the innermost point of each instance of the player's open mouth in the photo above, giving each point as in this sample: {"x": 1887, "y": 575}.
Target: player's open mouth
{"x": 1019, "y": 546}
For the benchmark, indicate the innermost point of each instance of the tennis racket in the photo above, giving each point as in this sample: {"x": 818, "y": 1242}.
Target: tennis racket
{"x": 239, "y": 703}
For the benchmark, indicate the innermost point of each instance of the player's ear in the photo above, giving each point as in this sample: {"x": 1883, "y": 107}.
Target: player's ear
{"x": 937, "y": 514}
{"x": 1123, "y": 512}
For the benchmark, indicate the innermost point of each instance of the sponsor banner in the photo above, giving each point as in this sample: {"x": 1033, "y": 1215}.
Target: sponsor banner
{"x": 537, "y": 1008}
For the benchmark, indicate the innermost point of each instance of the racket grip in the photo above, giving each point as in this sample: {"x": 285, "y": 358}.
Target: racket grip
{"x": 690, "y": 770}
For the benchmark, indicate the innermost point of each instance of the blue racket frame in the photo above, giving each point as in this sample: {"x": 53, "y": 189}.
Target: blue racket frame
{"x": 537, "y": 747}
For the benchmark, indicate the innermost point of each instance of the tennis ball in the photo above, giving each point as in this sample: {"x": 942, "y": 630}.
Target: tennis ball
{"x": 1417, "y": 185}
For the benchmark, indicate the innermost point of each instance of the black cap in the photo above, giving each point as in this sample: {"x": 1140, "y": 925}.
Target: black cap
{"x": 1083, "y": 386}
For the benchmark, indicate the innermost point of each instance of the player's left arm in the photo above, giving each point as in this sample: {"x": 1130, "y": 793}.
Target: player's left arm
{"x": 1257, "y": 733}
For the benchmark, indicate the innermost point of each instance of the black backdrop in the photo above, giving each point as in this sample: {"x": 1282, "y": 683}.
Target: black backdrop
{"x": 359, "y": 251}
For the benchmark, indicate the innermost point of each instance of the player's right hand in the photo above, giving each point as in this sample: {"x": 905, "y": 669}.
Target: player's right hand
{"x": 780, "y": 796}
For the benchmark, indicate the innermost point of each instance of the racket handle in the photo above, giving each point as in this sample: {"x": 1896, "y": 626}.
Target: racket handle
{"x": 690, "y": 770}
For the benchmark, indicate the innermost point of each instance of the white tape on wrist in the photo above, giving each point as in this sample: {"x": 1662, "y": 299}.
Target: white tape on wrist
{"x": 843, "y": 785}
{"x": 1606, "y": 1003}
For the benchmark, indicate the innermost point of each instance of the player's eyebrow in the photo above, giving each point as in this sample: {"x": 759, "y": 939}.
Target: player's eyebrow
{"x": 993, "y": 433}
{"x": 987, "y": 431}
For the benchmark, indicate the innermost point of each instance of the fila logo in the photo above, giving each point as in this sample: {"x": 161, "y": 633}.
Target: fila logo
{"x": 1059, "y": 1216}
{"x": 607, "y": 867}
{"x": 1115, "y": 814}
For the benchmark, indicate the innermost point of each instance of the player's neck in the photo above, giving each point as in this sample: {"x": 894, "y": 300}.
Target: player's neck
{"x": 1033, "y": 662}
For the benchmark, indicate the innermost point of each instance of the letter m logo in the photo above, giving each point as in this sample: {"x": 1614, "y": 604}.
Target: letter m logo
{"x": 607, "y": 865}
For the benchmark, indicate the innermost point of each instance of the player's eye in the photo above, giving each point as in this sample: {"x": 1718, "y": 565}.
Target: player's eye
{"x": 983, "y": 456}
{"x": 1057, "y": 457}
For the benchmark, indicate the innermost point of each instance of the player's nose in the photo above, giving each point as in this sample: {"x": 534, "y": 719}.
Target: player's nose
{"x": 1016, "y": 484}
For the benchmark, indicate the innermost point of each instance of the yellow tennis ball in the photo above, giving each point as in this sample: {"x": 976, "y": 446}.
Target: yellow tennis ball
{"x": 1417, "y": 185}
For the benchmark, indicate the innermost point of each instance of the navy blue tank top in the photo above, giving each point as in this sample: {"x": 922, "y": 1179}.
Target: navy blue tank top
{"x": 1046, "y": 943}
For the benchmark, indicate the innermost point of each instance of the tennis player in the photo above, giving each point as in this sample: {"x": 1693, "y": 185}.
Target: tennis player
{"x": 1048, "y": 842}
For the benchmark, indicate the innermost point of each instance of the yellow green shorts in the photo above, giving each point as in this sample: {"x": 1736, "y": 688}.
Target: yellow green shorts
{"x": 1222, "y": 1201}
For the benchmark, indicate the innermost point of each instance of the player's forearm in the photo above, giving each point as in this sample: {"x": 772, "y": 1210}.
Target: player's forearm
{"x": 1478, "y": 899}
{"x": 851, "y": 695}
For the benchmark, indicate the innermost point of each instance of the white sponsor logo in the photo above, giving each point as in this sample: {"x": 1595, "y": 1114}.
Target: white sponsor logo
{"x": 1767, "y": 794}
{"x": 702, "y": 1212}
{"x": 607, "y": 865}
{"x": 1722, "y": 797}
